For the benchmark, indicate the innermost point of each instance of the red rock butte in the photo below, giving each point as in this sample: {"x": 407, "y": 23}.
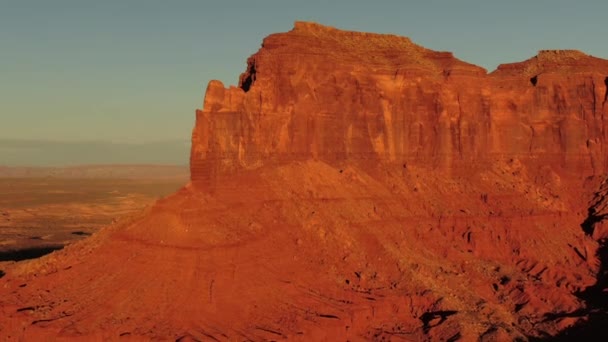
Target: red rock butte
{"x": 355, "y": 186}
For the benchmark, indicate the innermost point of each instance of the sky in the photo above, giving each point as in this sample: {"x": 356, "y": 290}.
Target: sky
{"x": 135, "y": 70}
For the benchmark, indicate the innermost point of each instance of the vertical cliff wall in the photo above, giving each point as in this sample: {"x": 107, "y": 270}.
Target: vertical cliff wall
{"x": 338, "y": 96}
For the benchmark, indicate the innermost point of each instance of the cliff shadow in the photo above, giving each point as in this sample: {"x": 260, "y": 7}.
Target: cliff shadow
{"x": 28, "y": 253}
{"x": 595, "y": 328}
{"x": 606, "y": 91}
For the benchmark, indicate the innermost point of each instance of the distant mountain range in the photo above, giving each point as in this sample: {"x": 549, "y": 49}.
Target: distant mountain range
{"x": 42, "y": 153}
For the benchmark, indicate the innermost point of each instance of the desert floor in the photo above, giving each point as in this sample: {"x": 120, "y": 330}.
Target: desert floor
{"x": 41, "y": 214}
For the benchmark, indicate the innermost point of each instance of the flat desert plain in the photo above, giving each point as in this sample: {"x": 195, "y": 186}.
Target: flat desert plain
{"x": 43, "y": 209}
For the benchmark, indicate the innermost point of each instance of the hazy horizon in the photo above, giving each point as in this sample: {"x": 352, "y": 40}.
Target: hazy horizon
{"x": 49, "y": 153}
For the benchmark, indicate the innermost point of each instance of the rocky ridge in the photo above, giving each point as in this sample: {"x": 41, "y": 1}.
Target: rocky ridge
{"x": 318, "y": 92}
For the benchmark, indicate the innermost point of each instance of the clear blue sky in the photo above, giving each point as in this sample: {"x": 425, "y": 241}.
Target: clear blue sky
{"x": 135, "y": 70}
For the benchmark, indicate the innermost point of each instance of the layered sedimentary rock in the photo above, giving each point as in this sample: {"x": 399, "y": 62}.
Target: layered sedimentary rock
{"x": 318, "y": 92}
{"x": 355, "y": 186}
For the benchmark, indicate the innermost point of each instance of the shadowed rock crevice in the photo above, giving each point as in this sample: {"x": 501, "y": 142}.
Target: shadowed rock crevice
{"x": 534, "y": 80}
{"x": 588, "y": 225}
{"x": 435, "y": 318}
{"x": 249, "y": 77}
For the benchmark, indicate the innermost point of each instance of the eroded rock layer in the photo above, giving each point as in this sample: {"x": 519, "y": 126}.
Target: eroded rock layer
{"x": 317, "y": 92}
{"x": 355, "y": 186}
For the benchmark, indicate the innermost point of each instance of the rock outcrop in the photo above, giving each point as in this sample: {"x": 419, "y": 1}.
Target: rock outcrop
{"x": 355, "y": 186}
{"x": 318, "y": 92}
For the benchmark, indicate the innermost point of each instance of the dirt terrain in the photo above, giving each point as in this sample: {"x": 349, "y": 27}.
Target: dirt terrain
{"x": 43, "y": 209}
{"x": 356, "y": 187}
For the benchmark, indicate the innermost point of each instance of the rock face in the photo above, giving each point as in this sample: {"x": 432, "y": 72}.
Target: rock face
{"x": 318, "y": 92}
{"x": 356, "y": 186}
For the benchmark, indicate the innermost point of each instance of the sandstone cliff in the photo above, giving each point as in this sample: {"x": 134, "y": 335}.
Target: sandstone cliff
{"x": 318, "y": 92}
